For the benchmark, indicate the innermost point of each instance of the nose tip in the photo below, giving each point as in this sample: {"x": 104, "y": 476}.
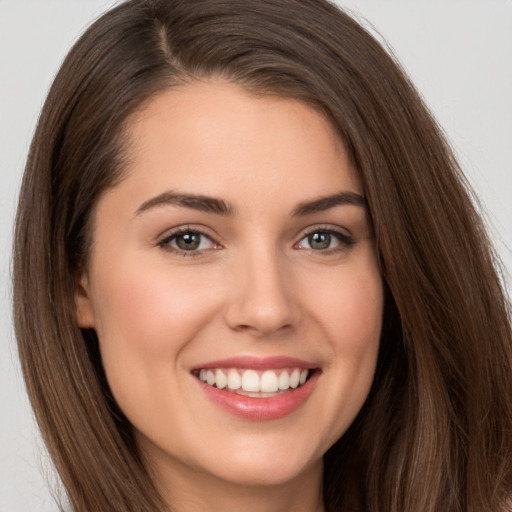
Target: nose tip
{"x": 263, "y": 321}
{"x": 262, "y": 302}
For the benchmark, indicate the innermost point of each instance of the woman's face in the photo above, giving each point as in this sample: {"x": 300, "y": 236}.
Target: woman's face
{"x": 236, "y": 250}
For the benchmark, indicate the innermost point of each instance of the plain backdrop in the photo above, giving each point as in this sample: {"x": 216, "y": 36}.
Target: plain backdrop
{"x": 459, "y": 54}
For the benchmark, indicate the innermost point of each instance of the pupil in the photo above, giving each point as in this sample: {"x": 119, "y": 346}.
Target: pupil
{"x": 319, "y": 240}
{"x": 188, "y": 241}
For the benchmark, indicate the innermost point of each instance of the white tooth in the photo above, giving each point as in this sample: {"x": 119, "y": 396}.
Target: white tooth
{"x": 269, "y": 382}
{"x": 250, "y": 381}
{"x": 303, "y": 376}
{"x": 284, "y": 380}
{"x": 234, "y": 379}
{"x": 294, "y": 378}
{"x": 220, "y": 379}
{"x": 202, "y": 375}
{"x": 210, "y": 377}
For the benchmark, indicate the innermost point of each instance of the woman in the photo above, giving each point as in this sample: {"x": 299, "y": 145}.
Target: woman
{"x": 248, "y": 274}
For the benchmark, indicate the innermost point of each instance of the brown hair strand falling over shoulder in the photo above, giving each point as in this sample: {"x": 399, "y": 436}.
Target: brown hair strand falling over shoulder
{"x": 436, "y": 431}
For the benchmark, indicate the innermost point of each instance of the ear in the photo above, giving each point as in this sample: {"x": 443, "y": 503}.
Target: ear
{"x": 84, "y": 309}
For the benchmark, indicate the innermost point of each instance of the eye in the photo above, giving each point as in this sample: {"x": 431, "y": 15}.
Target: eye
{"x": 188, "y": 241}
{"x": 325, "y": 240}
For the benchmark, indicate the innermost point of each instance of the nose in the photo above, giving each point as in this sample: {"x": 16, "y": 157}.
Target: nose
{"x": 262, "y": 300}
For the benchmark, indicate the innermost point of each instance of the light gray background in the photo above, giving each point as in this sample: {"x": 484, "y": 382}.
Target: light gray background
{"x": 459, "y": 54}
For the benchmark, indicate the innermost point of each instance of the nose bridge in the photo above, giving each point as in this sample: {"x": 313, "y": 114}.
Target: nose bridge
{"x": 262, "y": 301}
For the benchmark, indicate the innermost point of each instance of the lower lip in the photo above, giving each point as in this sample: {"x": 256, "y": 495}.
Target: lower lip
{"x": 261, "y": 409}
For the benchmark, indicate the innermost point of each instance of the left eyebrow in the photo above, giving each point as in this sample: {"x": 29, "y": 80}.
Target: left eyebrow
{"x": 327, "y": 202}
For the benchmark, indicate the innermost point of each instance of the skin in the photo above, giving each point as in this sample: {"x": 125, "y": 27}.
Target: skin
{"x": 255, "y": 286}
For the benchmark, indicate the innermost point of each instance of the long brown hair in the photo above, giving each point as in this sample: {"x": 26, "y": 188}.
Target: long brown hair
{"x": 435, "y": 433}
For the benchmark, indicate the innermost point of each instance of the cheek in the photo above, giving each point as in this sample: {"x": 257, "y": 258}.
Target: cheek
{"x": 349, "y": 307}
{"x": 144, "y": 319}
{"x": 149, "y": 310}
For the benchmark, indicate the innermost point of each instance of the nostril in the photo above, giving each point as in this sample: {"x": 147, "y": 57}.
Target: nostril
{"x": 262, "y": 330}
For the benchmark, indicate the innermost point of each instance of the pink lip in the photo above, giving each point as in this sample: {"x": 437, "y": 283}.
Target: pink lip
{"x": 257, "y": 363}
{"x": 256, "y": 408}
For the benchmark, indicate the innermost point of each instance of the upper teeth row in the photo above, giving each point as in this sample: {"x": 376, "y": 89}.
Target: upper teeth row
{"x": 250, "y": 380}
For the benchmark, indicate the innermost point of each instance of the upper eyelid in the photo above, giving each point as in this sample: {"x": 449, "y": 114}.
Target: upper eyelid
{"x": 172, "y": 232}
{"x": 331, "y": 228}
{"x": 165, "y": 242}
{"x": 204, "y": 231}
{"x": 346, "y": 239}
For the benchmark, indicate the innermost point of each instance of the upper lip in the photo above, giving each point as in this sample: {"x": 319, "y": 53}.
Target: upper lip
{"x": 257, "y": 363}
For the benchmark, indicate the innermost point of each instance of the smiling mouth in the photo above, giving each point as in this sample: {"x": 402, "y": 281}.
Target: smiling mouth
{"x": 254, "y": 383}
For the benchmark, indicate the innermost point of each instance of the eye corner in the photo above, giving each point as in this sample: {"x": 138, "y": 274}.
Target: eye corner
{"x": 187, "y": 241}
{"x": 320, "y": 239}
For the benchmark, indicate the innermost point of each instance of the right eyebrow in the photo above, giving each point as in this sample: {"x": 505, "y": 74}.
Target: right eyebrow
{"x": 193, "y": 201}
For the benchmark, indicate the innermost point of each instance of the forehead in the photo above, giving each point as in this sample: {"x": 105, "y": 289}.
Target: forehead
{"x": 206, "y": 135}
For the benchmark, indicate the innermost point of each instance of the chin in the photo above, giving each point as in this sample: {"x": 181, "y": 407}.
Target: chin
{"x": 268, "y": 467}
{"x": 265, "y": 474}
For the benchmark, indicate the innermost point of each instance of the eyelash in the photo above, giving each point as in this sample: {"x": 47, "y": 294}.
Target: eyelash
{"x": 345, "y": 241}
{"x": 165, "y": 243}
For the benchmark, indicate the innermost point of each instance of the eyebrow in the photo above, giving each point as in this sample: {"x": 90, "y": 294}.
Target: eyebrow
{"x": 325, "y": 203}
{"x": 220, "y": 207}
{"x": 194, "y": 201}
